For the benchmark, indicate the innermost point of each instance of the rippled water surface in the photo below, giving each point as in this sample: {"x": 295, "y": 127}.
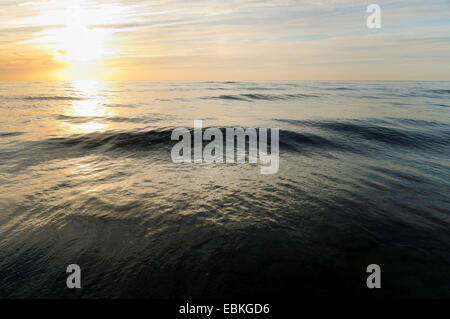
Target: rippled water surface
{"x": 86, "y": 177}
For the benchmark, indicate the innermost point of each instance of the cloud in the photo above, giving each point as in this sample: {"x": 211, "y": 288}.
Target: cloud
{"x": 253, "y": 38}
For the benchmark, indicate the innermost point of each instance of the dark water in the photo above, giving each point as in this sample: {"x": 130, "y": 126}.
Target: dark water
{"x": 86, "y": 177}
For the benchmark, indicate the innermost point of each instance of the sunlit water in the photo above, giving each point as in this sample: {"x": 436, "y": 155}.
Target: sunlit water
{"x": 86, "y": 177}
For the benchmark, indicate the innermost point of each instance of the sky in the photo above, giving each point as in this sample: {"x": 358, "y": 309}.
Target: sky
{"x": 223, "y": 40}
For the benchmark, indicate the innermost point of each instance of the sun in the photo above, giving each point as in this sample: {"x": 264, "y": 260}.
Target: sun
{"x": 79, "y": 43}
{"x": 80, "y": 36}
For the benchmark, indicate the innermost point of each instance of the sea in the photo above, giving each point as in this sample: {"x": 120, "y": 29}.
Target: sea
{"x": 87, "y": 178}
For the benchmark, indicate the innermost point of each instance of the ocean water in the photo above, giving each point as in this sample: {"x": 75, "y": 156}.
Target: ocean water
{"x": 86, "y": 178}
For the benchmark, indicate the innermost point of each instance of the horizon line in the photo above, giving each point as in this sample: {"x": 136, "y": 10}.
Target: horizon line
{"x": 211, "y": 80}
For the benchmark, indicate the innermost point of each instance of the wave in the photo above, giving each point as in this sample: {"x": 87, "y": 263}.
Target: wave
{"x": 11, "y": 134}
{"x": 259, "y": 97}
{"x": 219, "y": 82}
{"x": 414, "y": 135}
{"x": 77, "y": 119}
{"x": 388, "y": 135}
{"x": 341, "y": 136}
{"x": 308, "y": 138}
{"x": 85, "y": 119}
{"x": 160, "y": 140}
{"x": 340, "y": 89}
{"x": 226, "y": 97}
{"x": 302, "y": 142}
{"x": 439, "y": 91}
{"x": 243, "y": 88}
{"x": 120, "y": 105}
{"x": 113, "y": 140}
{"x": 56, "y": 98}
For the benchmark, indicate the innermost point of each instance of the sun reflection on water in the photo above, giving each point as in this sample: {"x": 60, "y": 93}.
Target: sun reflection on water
{"x": 87, "y": 111}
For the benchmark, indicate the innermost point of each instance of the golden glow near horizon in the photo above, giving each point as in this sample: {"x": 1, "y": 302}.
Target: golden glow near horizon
{"x": 222, "y": 40}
